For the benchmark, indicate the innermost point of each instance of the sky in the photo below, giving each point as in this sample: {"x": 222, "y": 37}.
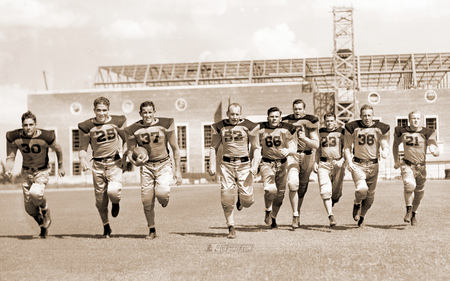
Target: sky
{"x": 68, "y": 40}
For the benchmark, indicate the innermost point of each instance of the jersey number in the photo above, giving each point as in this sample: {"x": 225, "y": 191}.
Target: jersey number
{"x": 412, "y": 141}
{"x": 369, "y": 139}
{"x": 102, "y": 136}
{"x": 329, "y": 142}
{"x": 147, "y": 138}
{"x": 35, "y": 148}
{"x": 231, "y": 135}
{"x": 276, "y": 140}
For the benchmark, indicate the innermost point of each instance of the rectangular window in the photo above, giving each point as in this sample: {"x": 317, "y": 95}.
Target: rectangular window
{"x": 431, "y": 122}
{"x": 183, "y": 165}
{"x": 402, "y": 122}
{"x": 206, "y": 163}
{"x": 181, "y": 136}
{"x": 207, "y": 136}
{"x": 76, "y": 169}
{"x": 75, "y": 140}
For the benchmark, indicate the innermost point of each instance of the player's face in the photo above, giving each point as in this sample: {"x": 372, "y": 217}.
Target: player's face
{"x": 29, "y": 127}
{"x": 274, "y": 118}
{"x": 330, "y": 122}
{"x": 299, "y": 110}
{"x": 367, "y": 117}
{"x": 234, "y": 115}
{"x": 414, "y": 120}
{"x": 148, "y": 114}
{"x": 101, "y": 113}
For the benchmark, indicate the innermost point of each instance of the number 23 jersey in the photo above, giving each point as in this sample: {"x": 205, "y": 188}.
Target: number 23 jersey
{"x": 366, "y": 140}
{"x": 152, "y": 136}
{"x": 104, "y": 137}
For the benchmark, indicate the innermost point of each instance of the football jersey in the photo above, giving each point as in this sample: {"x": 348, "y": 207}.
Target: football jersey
{"x": 307, "y": 123}
{"x": 331, "y": 142}
{"x": 414, "y": 142}
{"x": 274, "y": 139}
{"x": 152, "y": 136}
{"x": 235, "y": 138}
{"x": 104, "y": 137}
{"x": 34, "y": 149}
{"x": 365, "y": 140}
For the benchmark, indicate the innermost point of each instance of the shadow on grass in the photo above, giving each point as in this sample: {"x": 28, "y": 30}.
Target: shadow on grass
{"x": 64, "y": 236}
{"x": 392, "y": 226}
{"x": 202, "y": 234}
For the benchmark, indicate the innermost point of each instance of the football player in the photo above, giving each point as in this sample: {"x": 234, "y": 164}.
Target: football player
{"x": 277, "y": 142}
{"x": 236, "y": 168}
{"x": 329, "y": 164}
{"x": 301, "y": 165}
{"x": 365, "y": 137}
{"x": 104, "y": 133}
{"x": 155, "y": 134}
{"x": 34, "y": 143}
{"x": 415, "y": 139}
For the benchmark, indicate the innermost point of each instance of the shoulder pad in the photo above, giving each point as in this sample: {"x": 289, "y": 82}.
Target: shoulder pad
{"x": 288, "y": 117}
{"x": 291, "y": 128}
{"x": 399, "y": 130}
{"x": 48, "y": 136}
{"x": 118, "y": 120}
{"x": 383, "y": 127}
{"x": 351, "y": 126}
{"x": 263, "y": 125}
{"x": 133, "y": 127}
{"x": 311, "y": 118}
{"x": 165, "y": 122}
{"x": 86, "y": 126}
{"x": 249, "y": 124}
{"x": 13, "y": 135}
{"x": 427, "y": 132}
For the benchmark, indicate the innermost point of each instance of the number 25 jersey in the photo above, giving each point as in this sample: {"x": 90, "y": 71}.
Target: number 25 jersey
{"x": 366, "y": 140}
{"x": 414, "y": 142}
{"x": 104, "y": 137}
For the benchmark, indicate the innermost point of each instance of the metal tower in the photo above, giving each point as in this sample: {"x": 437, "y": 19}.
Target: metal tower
{"x": 344, "y": 64}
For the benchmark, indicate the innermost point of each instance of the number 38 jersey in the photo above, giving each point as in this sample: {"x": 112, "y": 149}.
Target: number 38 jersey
{"x": 414, "y": 142}
{"x": 234, "y": 138}
{"x": 152, "y": 136}
{"x": 331, "y": 142}
{"x": 365, "y": 140}
{"x": 34, "y": 149}
{"x": 104, "y": 137}
{"x": 274, "y": 139}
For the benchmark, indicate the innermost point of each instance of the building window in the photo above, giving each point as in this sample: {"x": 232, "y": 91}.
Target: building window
{"x": 181, "y": 135}
{"x": 207, "y": 136}
{"x": 207, "y": 163}
{"x": 76, "y": 169}
{"x": 432, "y": 123}
{"x": 75, "y": 140}
{"x": 183, "y": 165}
{"x": 402, "y": 122}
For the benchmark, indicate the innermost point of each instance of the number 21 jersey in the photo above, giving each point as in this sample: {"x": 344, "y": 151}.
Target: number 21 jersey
{"x": 414, "y": 142}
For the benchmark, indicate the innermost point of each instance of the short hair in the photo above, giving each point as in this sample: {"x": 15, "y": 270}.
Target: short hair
{"x": 101, "y": 100}
{"x": 365, "y": 107}
{"x": 146, "y": 104}
{"x": 273, "y": 109}
{"x": 329, "y": 114}
{"x": 297, "y": 101}
{"x": 234, "y": 105}
{"x": 28, "y": 115}
{"x": 414, "y": 112}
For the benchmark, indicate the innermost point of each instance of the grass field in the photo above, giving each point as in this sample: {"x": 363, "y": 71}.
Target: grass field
{"x": 192, "y": 243}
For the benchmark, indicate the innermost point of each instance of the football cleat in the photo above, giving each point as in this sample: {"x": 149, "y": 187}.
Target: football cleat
{"x": 332, "y": 221}
{"x": 408, "y": 215}
{"x": 413, "y": 219}
{"x": 239, "y": 207}
{"x": 267, "y": 217}
{"x": 46, "y": 218}
{"x": 151, "y": 234}
{"x": 106, "y": 231}
{"x": 115, "y": 209}
{"x": 274, "y": 224}
{"x": 165, "y": 205}
{"x": 356, "y": 211}
{"x": 361, "y": 222}
{"x": 295, "y": 222}
{"x": 231, "y": 232}
{"x": 44, "y": 232}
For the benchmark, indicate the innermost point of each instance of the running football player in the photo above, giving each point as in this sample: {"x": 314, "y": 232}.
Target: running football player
{"x": 155, "y": 134}
{"x": 104, "y": 133}
{"x": 415, "y": 140}
{"x": 365, "y": 137}
{"x": 301, "y": 165}
{"x": 235, "y": 134}
{"x": 33, "y": 144}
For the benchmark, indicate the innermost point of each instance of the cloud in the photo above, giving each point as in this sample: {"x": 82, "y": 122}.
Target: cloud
{"x": 206, "y": 8}
{"x": 35, "y": 13}
{"x": 280, "y": 42}
{"x": 131, "y": 29}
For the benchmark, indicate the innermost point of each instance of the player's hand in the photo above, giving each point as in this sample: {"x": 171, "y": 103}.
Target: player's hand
{"x": 284, "y": 152}
{"x": 435, "y": 150}
{"x": 301, "y": 134}
{"x": 84, "y": 165}
{"x": 384, "y": 153}
{"x": 316, "y": 167}
{"x": 61, "y": 171}
{"x": 212, "y": 169}
{"x": 339, "y": 163}
{"x": 397, "y": 165}
{"x": 8, "y": 174}
{"x": 351, "y": 166}
{"x": 178, "y": 179}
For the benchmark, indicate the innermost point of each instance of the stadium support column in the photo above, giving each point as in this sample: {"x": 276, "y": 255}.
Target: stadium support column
{"x": 344, "y": 65}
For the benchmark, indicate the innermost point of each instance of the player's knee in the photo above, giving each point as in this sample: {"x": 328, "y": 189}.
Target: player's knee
{"x": 270, "y": 189}
{"x": 162, "y": 193}
{"x": 246, "y": 200}
{"x": 37, "y": 193}
{"x": 114, "y": 191}
{"x": 361, "y": 189}
{"x": 409, "y": 185}
{"x": 325, "y": 195}
{"x": 227, "y": 199}
{"x": 31, "y": 209}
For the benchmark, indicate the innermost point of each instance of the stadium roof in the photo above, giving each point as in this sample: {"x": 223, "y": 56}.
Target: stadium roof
{"x": 374, "y": 72}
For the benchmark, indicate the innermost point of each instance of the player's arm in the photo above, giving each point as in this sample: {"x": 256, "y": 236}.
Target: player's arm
{"x": 395, "y": 150}
{"x": 85, "y": 140}
{"x": 384, "y": 144}
{"x": 255, "y": 147}
{"x": 11, "y": 150}
{"x": 172, "y": 139}
{"x": 215, "y": 143}
{"x": 313, "y": 140}
{"x": 432, "y": 145}
{"x": 59, "y": 156}
{"x": 348, "y": 143}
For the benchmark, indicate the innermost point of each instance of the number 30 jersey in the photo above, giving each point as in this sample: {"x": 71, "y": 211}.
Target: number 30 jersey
{"x": 365, "y": 140}
{"x": 152, "y": 136}
{"x": 34, "y": 149}
{"x": 331, "y": 142}
{"x": 234, "y": 138}
{"x": 274, "y": 139}
{"x": 414, "y": 142}
{"x": 104, "y": 137}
